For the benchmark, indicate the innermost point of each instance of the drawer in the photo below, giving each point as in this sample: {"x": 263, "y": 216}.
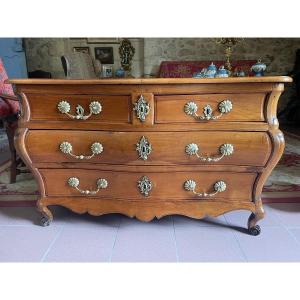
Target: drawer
{"x": 112, "y": 108}
{"x": 148, "y": 185}
{"x": 184, "y": 108}
{"x": 152, "y": 148}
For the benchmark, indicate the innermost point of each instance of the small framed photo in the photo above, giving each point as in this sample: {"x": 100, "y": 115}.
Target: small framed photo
{"x": 107, "y": 71}
{"x": 82, "y": 49}
{"x": 105, "y": 55}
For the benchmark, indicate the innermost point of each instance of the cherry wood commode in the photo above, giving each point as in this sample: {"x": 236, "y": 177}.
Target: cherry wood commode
{"x": 149, "y": 148}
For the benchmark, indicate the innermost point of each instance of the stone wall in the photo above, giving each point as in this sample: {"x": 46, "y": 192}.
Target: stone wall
{"x": 277, "y": 53}
{"x": 45, "y": 54}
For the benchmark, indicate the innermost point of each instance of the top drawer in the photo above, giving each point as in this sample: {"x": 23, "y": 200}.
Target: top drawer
{"x": 111, "y": 109}
{"x": 209, "y": 107}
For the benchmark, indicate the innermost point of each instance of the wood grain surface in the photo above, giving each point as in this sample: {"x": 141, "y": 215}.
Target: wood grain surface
{"x": 251, "y": 127}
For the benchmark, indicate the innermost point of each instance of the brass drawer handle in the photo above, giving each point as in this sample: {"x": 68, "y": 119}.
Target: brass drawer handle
{"x": 64, "y": 107}
{"x": 219, "y": 187}
{"x": 101, "y": 184}
{"x": 66, "y": 148}
{"x": 191, "y": 108}
{"x": 141, "y": 108}
{"x": 225, "y": 150}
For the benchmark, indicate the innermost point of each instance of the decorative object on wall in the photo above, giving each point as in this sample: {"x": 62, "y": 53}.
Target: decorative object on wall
{"x": 229, "y": 43}
{"x": 82, "y": 49}
{"x": 126, "y": 51}
{"x": 105, "y": 55}
{"x": 258, "y": 68}
{"x": 103, "y": 40}
{"x": 107, "y": 71}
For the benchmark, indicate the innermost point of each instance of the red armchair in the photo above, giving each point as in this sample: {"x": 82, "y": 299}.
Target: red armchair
{"x": 9, "y": 111}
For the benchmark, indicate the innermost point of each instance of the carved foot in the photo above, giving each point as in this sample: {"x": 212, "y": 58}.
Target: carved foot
{"x": 254, "y": 229}
{"x": 45, "y": 221}
{"x": 47, "y": 216}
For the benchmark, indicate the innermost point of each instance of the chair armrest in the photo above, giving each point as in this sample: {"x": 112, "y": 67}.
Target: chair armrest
{"x": 9, "y": 97}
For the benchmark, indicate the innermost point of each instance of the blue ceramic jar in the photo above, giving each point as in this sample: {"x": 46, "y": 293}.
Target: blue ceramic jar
{"x": 211, "y": 71}
{"x": 222, "y": 72}
{"x": 258, "y": 68}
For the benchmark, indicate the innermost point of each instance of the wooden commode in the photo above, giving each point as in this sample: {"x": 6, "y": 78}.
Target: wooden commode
{"x": 149, "y": 148}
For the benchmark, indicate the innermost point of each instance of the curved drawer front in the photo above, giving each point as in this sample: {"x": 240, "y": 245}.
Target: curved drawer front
{"x": 152, "y": 148}
{"x": 149, "y": 186}
{"x": 108, "y": 109}
{"x": 209, "y": 108}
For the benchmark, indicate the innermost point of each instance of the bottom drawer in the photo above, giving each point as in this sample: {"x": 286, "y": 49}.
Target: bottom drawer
{"x": 160, "y": 186}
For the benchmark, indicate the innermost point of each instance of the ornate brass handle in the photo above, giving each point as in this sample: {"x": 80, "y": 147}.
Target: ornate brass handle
{"x": 66, "y": 148}
{"x": 101, "y": 184}
{"x": 191, "y": 108}
{"x": 64, "y": 107}
{"x": 219, "y": 186}
{"x": 225, "y": 150}
{"x": 141, "y": 108}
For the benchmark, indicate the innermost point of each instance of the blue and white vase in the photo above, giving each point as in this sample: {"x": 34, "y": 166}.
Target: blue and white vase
{"x": 258, "y": 68}
{"x": 200, "y": 74}
{"x": 222, "y": 72}
{"x": 211, "y": 71}
{"x": 240, "y": 73}
{"x": 120, "y": 73}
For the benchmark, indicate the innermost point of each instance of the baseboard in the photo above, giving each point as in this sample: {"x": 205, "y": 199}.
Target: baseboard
{"x": 5, "y": 165}
{"x": 281, "y": 200}
{"x": 292, "y": 135}
{"x": 21, "y": 203}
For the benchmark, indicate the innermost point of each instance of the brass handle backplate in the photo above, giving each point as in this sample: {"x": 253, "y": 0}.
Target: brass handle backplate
{"x": 64, "y": 107}
{"x": 225, "y": 150}
{"x": 66, "y": 148}
{"x": 191, "y": 108}
{"x": 101, "y": 184}
{"x": 219, "y": 187}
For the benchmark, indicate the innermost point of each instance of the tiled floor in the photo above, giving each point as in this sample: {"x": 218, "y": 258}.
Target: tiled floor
{"x": 115, "y": 238}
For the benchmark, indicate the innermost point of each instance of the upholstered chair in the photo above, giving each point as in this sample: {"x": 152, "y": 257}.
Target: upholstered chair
{"x": 80, "y": 65}
{"x": 9, "y": 111}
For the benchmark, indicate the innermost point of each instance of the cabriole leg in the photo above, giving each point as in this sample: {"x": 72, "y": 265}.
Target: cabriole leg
{"x": 253, "y": 228}
{"x": 47, "y": 216}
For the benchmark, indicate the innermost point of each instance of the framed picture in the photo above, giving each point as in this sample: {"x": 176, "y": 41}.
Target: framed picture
{"x": 82, "y": 49}
{"x": 107, "y": 71}
{"x": 103, "y": 40}
{"x": 105, "y": 55}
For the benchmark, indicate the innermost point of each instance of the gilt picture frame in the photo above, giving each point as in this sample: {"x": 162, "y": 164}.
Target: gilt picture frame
{"x": 103, "y": 40}
{"x": 105, "y": 55}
